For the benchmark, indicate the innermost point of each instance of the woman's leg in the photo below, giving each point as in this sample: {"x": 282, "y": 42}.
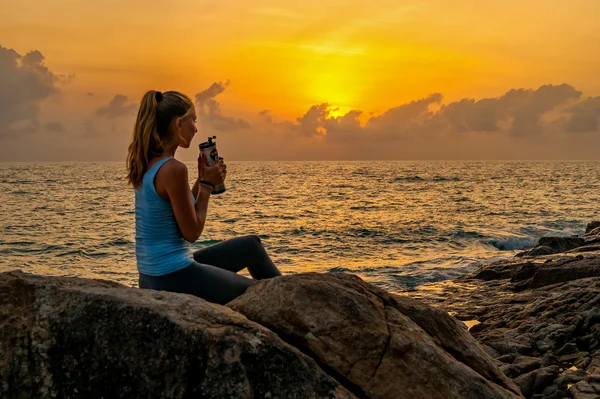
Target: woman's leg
{"x": 239, "y": 253}
{"x": 207, "y": 282}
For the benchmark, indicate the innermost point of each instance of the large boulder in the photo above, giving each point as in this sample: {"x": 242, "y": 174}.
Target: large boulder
{"x": 379, "y": 345}
{"x": 78, "y": 338}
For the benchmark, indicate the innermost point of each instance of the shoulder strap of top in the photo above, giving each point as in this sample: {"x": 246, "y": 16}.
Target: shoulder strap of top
{"x": 149, "y": 175}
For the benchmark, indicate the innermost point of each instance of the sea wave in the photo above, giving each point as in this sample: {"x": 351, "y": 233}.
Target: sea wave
{"x": 513, "y": 243}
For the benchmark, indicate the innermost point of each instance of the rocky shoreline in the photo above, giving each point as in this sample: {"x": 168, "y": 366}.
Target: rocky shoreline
{"x": 524, "y": 327}
{"x": 537, "y": 314}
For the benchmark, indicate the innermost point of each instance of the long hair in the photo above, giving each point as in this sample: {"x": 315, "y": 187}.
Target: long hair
{"x": 151, "y": 130}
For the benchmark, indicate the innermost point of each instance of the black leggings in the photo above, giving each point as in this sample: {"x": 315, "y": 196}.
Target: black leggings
{"x": 212, "y": 276}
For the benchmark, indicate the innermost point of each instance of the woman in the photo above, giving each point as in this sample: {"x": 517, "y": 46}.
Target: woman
{"x": 169, "y": 216}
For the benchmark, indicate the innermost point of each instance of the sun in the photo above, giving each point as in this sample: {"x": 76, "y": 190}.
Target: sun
{"x": 331, "y": 78}
{"x": 337, "y": 111}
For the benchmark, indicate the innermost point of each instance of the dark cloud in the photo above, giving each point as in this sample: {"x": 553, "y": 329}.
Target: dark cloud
{"x": 265, "y": 114}
{"x": 316, "y": 121}
{"x": 117, "y": 107}
{"x": 210, "y": 110}
{"x": 411, "y": 118}
{"x": 56, "y": 127}
{"x": 90, "y": 94}
{"x": 24, "y": 82}
{"x": 584, "y": 116}
{"x": 519, "y": 112}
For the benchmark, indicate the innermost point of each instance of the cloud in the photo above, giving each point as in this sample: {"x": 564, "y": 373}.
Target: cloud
{"x": 584, "y": 116}
{"x": 24, "y": 82}
{"x": 519, "y": 113}
{"x": 117, "y": 107}
{"x": 210, "y": 110}
{"x": 56, "y": 127}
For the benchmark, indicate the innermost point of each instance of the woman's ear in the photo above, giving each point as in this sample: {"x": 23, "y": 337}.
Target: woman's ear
{"x": 179, "y": 123}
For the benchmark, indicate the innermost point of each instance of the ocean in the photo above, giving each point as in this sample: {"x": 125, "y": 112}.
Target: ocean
{"x": 395, "y": 224}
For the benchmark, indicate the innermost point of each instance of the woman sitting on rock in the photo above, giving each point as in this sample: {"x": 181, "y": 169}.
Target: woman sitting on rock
{"x": 169, "y": 216}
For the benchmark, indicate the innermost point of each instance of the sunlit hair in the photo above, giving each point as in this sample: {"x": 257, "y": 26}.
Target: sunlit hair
{"x": 151, "y": 130}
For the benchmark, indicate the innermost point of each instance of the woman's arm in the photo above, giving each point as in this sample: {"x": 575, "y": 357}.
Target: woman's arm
{"x": 174, "y": 178}
{"x": 190, "y": 218}
{"x": 195, "y": 187}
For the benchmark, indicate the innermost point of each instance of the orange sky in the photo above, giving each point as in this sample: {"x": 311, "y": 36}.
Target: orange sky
{"x": 286, "y": 56}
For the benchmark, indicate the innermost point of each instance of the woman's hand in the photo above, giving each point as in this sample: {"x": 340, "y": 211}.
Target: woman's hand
{"x": 213, "y": 174}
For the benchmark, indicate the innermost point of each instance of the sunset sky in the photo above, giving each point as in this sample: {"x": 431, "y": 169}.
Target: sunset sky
{"x": 306, "y": 80}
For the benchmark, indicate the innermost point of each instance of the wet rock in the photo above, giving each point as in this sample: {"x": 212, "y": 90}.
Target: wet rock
{"x": 591, "y": 226}
{"x": 561, "y": 244}
{"x": 554, "y": 245}
{"x": 387, "y": 346}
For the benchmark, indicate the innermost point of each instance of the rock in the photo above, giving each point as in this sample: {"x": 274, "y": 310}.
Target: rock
{"x": 542, "y": 250}
{"x": 79, "y": 338}
{"x": 554, "y": 245}
{"x": 549, "y": 359}
{"x": 526, "y": 271}
{"x": 591, "y": 226}
{"x": 572, "y": 376}
{"x": 594, "y": 366}
{"x": 592, "y": 317}
{"x": 594, "y": 232}
{"x": 574, "y": 269}
{"x": 561, "y": 244}
{"x": 387, "y": 346}
{"x": 498, "y": 271}
{"x": 552, "y": 392}
{"x": 509, "y": 347}
{"x": 585, "y": 248}
{"x": 567, "y": 349}
{"x": 582, "y": 362}
{"x": 521, "y": 365}
{"x": 537, "y": 380}
{"x": 490, "y": 351}
{"x": 583, "y": 390}
{"x": 572, "y": 358}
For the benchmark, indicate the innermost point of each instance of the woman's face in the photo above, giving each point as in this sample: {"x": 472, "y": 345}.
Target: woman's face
{"x": 187, "y": 130}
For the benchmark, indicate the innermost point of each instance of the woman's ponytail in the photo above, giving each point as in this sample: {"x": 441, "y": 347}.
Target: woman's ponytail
{"x": 143, "y": 133}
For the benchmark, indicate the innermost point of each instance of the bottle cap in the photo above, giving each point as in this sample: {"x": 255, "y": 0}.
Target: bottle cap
{"x": 209, "y": 143}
